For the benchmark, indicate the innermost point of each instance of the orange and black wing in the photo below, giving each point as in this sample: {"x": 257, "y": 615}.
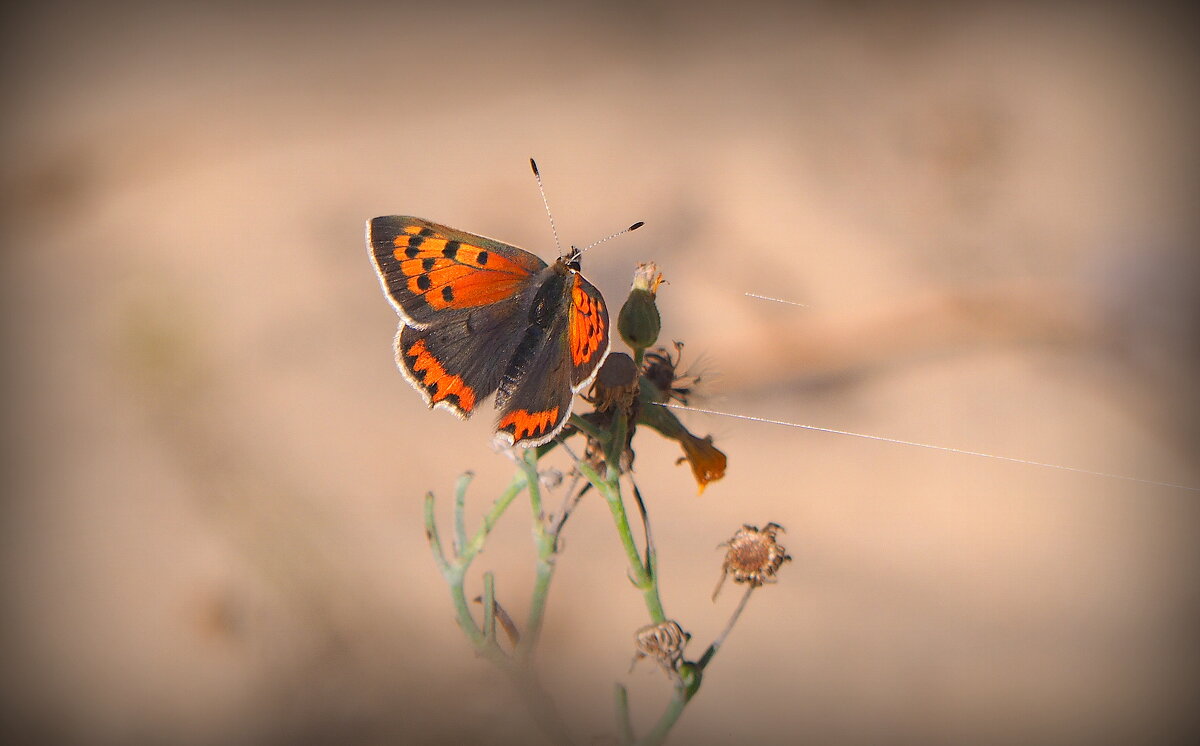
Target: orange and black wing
{"x": 587, "y": 331}
{"x": 458, "y": 360}
{"x": 461, "y": 299}
{"x": 553, "y": 362}
{"x": 426, "y": 268}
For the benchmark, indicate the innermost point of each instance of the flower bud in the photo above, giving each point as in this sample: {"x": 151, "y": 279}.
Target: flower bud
{"x": 639, "y": 322}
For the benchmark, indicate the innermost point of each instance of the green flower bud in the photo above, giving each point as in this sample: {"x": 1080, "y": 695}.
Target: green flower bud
{"x": 639, "y": 322}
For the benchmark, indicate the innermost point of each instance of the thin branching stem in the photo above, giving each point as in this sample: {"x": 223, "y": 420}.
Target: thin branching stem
{"x": 519, "y": 670}
{"x": 586, "y": 427}
{"x": 624, "y": 724}
{"x": 717, "y": 643}
{"x": 667, "y": 721}
{"x": 454, "y": 571}
{"x": 489, "y": 521}
{"x": 639, "y": 574}
{"x": 460, "y": 504}
{"x": 570, "y": 502}
{"x": 651, "y": 552}
{"x": 544, "y": 541}
{"x": 489, "y": 607}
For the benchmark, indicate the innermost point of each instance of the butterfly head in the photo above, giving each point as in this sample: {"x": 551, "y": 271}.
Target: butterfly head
{"x": 571, "y": 260}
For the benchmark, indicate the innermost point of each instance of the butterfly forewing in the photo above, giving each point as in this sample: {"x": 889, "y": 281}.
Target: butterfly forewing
{"x": 426, "y": 268}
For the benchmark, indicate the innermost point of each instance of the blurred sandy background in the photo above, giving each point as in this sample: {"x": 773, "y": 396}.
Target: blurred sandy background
{"x": 212, "y": 504}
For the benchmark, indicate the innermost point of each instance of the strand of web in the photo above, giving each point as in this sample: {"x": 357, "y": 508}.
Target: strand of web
{"x": 943, "y": 448}
{"x": 775, "y": 300}
{"x": 947, "y": 449}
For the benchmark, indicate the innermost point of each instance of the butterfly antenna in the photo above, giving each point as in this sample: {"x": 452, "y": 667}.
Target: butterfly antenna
{"x": 621, "y": 232}
{"x": 546, "y": 202}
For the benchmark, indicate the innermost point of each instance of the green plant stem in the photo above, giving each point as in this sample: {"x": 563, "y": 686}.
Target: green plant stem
{"x": 717, "y": 643}
{"x": 640, "y": 576}
{"x": 544, "y": 541}
{"x": 455, "y": 570}
{"x": 587, "y": 428}
{"x": 668, "y": 719}
{"x": 541, "y": 707}
{"x": 651, "y": 551}
{"x": 624, "y": 725}
{"x": 489, "y": 607}
{"x": 460, "y": 505}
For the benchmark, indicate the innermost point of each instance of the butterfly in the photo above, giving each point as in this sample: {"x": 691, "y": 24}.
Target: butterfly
{"x": 478, "y": 316}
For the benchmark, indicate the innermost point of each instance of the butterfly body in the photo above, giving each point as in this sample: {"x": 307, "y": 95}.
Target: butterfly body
{"x": 479, "y": 316}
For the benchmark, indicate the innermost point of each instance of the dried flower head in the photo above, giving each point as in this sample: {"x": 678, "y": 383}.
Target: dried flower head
{"x": 662, "y": 369}
{"x": 753, "y": 556}
{"x": 616, "y": 384}
{"x": 663, "y": 642}
{"x": 550, "y": 479}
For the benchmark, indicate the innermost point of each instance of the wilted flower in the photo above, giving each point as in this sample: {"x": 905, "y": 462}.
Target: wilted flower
{"x": 662, "y": 369}
{"x": 614, "y": 390}
{"x": 753, "y": 556}
{"x": 706, "y": 460}
{"x": 663, "y": 642}
{"x": 616, "y": 384}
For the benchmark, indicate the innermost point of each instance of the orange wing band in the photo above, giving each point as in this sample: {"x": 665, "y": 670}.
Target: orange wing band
{"x": 441, "y": 386}
{"x": 451, "y": 274}
{"x": 524, "y": 425}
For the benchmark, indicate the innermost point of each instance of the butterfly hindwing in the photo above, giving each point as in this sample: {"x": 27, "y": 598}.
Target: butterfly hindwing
{"x": 540, "y": 401}
{"x": 458, "y": 360}
{"x": 588, "y": 331}
{"x": 427, "y": 268}
{"x": 558, "y": 354}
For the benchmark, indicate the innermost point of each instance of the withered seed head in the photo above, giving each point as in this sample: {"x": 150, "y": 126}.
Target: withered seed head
{"x": 753, "y": 556}
{"x": 662, "y": 369}
{"x": 663, "y": 642}
{"x": 616, "y": 384}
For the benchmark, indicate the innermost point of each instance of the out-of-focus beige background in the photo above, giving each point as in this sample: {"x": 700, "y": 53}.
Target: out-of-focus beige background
{"x": 212, "y": 527}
